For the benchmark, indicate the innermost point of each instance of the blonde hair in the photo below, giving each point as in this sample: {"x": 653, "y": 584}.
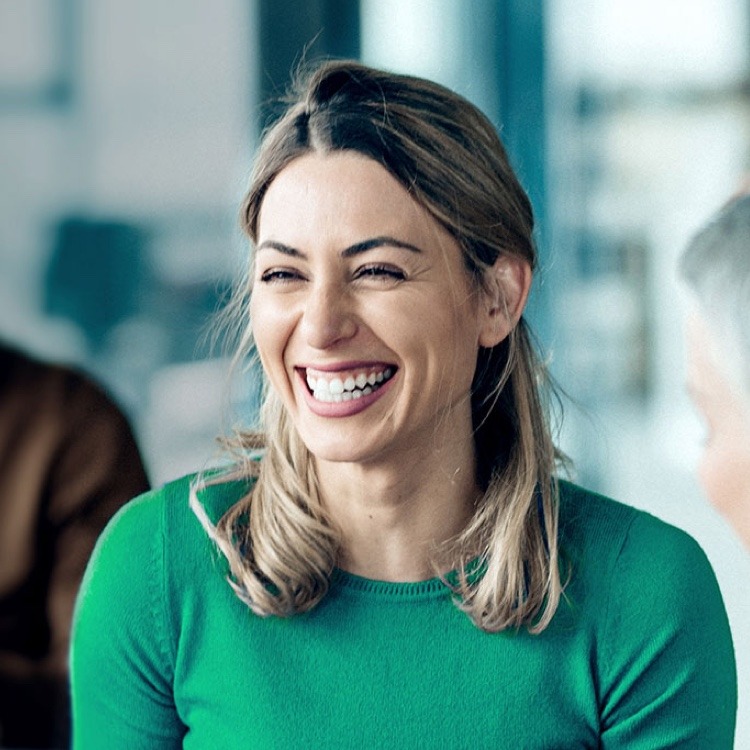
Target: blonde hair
{"x": 280, "y": 543}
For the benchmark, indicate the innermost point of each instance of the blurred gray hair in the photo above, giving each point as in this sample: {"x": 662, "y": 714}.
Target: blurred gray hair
{"x": 716, "y": 267}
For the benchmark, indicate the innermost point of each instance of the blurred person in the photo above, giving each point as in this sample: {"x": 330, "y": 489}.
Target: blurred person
{"x": 68, "y": 461}
{"x": 398, "y": 564}
{"x": 716, "y": 268}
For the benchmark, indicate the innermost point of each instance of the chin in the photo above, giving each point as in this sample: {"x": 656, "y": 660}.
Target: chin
{"x": 336, "y": 454}
{"x": 340, "y": 451}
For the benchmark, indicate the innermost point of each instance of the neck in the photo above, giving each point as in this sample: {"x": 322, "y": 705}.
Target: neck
{"x": 395, "y": 516}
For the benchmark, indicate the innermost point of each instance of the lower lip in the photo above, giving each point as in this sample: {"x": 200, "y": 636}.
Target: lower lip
{"x": 339, "y": 409}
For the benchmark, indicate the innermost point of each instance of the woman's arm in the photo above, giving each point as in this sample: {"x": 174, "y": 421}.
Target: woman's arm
{"x": 666, "y": 658}
{"x": 122, "y": 657}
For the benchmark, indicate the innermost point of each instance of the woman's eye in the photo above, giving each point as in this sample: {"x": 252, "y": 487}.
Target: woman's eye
{"x": 387, "y": 273}
{"x": 279, "y": 275}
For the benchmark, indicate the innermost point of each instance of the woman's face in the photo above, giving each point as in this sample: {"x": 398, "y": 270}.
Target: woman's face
{"x": 365, "y": 320}
{"x": 725, "y": 464}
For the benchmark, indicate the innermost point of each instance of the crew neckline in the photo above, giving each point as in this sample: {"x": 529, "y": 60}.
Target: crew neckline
{"x": 405, "y": 590}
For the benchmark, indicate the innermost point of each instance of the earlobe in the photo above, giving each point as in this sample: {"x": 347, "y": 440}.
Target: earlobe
{"x": 507, "y": 289}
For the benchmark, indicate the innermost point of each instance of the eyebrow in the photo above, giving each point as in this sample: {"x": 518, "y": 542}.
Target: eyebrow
{"x": 356, "y": 249}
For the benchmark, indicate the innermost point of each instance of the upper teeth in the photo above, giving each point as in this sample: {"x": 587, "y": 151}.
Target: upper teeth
{"x": 356, "y": 386}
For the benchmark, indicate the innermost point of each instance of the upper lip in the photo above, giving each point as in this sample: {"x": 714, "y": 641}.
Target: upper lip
{"x": 341, "y": 366}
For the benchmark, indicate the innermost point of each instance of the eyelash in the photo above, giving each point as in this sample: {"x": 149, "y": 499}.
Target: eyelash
{"x": 380, "y": 271}
{"x": 383, "y": 272}
{"x": 279, "y": 276}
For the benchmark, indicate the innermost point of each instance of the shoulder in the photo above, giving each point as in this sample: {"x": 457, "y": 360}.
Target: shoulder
{"x": 60, "y": 396}
{"x": 23, "y": 371}
{"x": 595, "y": 526}
{"x": 154, "y": 549}
{"x": 163, "y": 526}
{"x": 663, "y": 649}
{"x": 166, "y": 511}
{"x": 627, "y": 566}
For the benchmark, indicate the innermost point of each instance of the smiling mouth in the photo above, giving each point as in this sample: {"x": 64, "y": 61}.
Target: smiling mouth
{"x": 352, "y": 386}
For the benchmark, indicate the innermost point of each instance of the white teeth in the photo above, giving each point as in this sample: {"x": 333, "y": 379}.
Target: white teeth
{"x": 336, "y": 386}
{"x": 337, "y": 390}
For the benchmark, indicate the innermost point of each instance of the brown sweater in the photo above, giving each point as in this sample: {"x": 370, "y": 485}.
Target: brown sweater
{"x": 68, "y": 461}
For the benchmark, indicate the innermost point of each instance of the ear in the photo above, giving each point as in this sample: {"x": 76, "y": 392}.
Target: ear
{"x": 507, "y": 285}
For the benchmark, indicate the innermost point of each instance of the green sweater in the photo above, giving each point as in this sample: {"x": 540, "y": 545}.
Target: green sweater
{"x": 165, "y": 655}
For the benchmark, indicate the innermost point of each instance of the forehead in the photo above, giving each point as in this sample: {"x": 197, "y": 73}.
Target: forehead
{"x": 339, "y": 190}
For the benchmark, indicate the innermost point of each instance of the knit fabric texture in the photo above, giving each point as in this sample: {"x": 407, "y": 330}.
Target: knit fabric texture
{"x": 639, "y": 654}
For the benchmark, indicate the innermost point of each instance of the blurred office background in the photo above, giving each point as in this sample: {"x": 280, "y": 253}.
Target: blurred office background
{"x": 127, "y": 130}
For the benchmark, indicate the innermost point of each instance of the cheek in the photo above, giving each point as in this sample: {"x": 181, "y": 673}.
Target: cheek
{"x": 713, "y": 476}
{"x": 725, "y": 474}
{"x": 270, "y": 333}
{"x": 445, "y": 344}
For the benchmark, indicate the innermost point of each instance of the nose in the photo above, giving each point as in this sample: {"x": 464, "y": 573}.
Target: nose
{"x": 328, "y": 316}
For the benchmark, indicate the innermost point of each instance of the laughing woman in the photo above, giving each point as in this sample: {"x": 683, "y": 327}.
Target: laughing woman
{"x": 397, "y": 564}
